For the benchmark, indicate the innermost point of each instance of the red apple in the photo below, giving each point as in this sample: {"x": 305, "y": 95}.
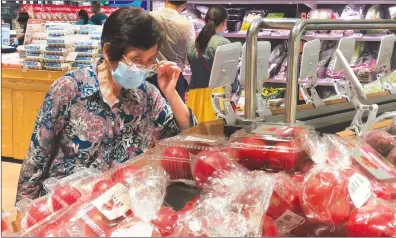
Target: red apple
{"x": 283, "y": 156}
{"x": 176, "y": 162}
{"x": 250, "y": 152}
{"x": 269, "y": 227}
{"x": 207, "y": 164}
{"x": 325, "y": 197}
{"x": 284, "y": 197}
{"x": 37, "y": 212}
{"x": 64, "y": 196}
{"x": 165, "y": 221}
{"x": 3, "y": 225}
{"x": 102, "y": 186}
{"x": 125, "y": 174}
{"x": 376, "y": 219}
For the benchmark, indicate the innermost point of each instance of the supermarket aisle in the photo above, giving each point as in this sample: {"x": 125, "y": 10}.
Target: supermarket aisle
{"x": 9, "y": 181}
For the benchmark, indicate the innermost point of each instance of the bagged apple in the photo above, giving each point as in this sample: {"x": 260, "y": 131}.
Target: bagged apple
{"x": 270, "y": 146}
{"x": 128, "y": 207}
{"x": 7, "y": 229}
{"x": 324, "y": 196}
{"x": 174, "y": 153}
{"x": 209, "y": 164}
{"x": 376, "y": 219}
{"x": 232, "y": 203}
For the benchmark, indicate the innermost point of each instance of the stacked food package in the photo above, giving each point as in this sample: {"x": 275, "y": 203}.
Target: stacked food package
{"x": 62, "y": 47}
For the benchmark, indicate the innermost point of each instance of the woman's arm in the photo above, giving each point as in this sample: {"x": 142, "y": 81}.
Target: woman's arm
{"x": 180, "y": 111}
{"x": 49, "y": 123}
{"x": 168, "y": 74}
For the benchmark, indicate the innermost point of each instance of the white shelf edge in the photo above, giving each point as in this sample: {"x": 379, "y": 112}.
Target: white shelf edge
{"x": 362, "y": 38}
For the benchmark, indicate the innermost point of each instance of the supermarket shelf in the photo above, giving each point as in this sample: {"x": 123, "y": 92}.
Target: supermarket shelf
{"x": 309, "y": 3}
{"x": 321, "y": 82}
{"x": 318, "y": 36}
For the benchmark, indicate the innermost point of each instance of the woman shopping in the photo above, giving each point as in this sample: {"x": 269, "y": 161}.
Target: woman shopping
{"x": 106, "y": 113}
{"x": 200, "y": 56}
{"x": 83, "y": 18}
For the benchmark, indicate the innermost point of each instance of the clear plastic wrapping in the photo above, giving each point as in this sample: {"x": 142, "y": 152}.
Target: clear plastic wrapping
{"x": 175, "y": 152}
{"x": 350, "y": 12}
{"x": 269, "y": 146}
{"x": 233, "y": 204}
{"x": 7, "y": 228}
{"x": 376, "y": 219}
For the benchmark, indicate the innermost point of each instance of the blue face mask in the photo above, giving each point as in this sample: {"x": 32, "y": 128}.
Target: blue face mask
{"x": 129, "y": 77}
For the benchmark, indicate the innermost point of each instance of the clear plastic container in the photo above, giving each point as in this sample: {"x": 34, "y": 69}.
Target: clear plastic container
{"x": 54, "y": 58}
{"x": 55, "y": 66}
{"x": 87, "y": 44}
{"x": 34, "y": 47}
{"x": 270, "y": 146}
{"x": 32, "y": 65}
{"x": 34, "y": 56}
{"x": 7, "y": 229}
{"x": 174, "y": 153}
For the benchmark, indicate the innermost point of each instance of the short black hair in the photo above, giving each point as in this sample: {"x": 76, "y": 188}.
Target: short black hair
{"x": 177, "y": 3}
{"x": 23, "y": 17}
{"x": 130, "y": 27}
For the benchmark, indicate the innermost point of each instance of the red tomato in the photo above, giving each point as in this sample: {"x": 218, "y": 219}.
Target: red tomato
{"x": 252, "y": 154}
{"x": 207, "y": 164}
{"x": 376, "y": 219}
{"x": 284, "y": 197}
{"x": 269, "y": 227}
{"x": 124, "y": 174}
{"x": 64, "y": 196}
{"x": 283, "y": 156}
{"x": 176, "y": 162}
{"x": 3, "y": 226}
{"x": 166, "y": 221}
{"x": 325, "y": 198}
{"x": 102, "y": 186}
{"x": 37, "y": 212}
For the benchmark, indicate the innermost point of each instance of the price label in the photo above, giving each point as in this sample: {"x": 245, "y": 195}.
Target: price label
{"x": 114, "y": 203}
{"x": 359, "y": 189}
{"x": 288, "y": 221}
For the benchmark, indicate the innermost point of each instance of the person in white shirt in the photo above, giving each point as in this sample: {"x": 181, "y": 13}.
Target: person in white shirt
{"x": 178, "y": 32}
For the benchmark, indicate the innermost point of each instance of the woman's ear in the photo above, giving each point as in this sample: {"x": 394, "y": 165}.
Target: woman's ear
{"x": 106, "y": 49}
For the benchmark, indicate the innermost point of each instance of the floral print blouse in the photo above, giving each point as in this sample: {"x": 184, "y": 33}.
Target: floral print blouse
{"x": 76, "y": 128}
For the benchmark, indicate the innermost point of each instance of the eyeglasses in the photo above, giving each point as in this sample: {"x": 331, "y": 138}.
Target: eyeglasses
{"x": 151, "y": 67}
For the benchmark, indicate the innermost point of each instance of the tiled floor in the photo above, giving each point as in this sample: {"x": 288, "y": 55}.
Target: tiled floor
{"x": 9, "y": 182}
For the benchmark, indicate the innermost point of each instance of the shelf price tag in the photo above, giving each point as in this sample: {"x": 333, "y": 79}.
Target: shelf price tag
{"x": 359, "y": 189}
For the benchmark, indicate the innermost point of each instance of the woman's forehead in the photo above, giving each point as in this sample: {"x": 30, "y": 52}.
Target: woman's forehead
{"x": 133, "y": 51}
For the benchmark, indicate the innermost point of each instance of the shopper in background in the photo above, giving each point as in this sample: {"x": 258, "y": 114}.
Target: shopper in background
{"x": 83, "y": 18}
{"x": 98, "y": 18}
{"x": 106, "y": 113}
{"x": 178, "y": 31}
{"x": 22, "y": 21}
{"x": 201, "y": 54}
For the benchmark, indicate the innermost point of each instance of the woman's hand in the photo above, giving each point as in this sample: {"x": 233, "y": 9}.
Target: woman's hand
{"x": 168, "y": 75}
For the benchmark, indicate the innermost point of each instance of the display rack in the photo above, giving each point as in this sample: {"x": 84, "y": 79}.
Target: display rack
{"x": 294, "y": 47}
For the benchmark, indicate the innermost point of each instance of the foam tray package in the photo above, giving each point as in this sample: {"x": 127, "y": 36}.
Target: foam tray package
{"x": 270, "y": 146}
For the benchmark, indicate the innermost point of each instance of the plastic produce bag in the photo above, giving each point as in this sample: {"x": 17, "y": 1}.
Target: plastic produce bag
{"x": 350, "y": 12}
{"x": 375, "y": 13}
{"x": 231, "y": 205}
